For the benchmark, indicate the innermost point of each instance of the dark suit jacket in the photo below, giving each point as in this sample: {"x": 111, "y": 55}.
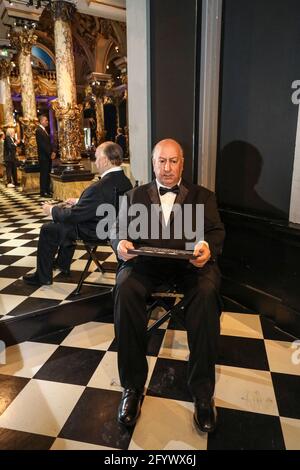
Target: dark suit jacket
{"x": 83, "y": 214}
{"x": 188, "y": 194}
{"x": 121, "y": 140}
{"x": 9, "y": 149}
{"x": 43, "y": 144}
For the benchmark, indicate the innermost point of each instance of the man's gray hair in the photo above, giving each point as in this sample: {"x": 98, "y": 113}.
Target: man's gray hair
{"x": 113, "y": 152}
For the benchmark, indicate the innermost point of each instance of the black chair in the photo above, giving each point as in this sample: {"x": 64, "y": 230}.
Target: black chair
{"x": 174, "y": 312}
{"x": 91, "y": 249}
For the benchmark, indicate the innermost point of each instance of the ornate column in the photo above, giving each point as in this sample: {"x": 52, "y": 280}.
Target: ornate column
{"x": 67, "y": 112}
{"x": 23, "y": 39}
{"x": 122, "y": 92}
{"x": 100, "y": 84}
{"x": 51, "y": 123}
{"x": 66, "y": 109}
{"x": 5, "y": 95}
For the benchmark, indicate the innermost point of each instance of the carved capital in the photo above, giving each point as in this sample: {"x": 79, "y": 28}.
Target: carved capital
{"x": 62, "y": 10}
{"x": 23, "y": 40}
{"x": 69, "y": 130}
{"x": 5, "y": 68}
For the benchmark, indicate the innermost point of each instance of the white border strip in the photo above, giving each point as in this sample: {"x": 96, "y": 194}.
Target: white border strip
{"x": 209, "y": 91}
{"x": 139, "y": 90}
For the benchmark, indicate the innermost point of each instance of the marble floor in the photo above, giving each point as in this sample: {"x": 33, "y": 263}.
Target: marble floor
{"x": 62, "y": 391}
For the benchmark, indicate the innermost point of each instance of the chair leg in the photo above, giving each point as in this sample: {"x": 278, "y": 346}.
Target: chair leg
{"x": 170, "y": 313}
{"x": 83, "y": 275}
{"x": 92, "y": 252}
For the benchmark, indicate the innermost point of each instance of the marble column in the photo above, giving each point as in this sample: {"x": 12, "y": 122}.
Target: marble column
{"x": 52, "y": 124}
{"x": 121, "y": 63}
{"x": 100, "y": 84}
{"x": 7, "y": 115}
{"x": 23, "y": 38}
{"x": 71, "y": 177}
{"x": 66, "y": 109}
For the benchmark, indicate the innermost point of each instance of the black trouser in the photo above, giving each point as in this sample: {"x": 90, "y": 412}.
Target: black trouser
{"x": 135, "y": 282}
{"x": 45, "y": 168}
{"x": 55, "y": 238}
{"x": 11, "y": 172}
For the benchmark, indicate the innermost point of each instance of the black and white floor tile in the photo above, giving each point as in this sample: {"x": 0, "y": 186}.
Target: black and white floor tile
{"x": 21, "y": 217}
{"x": 62, "y": 391}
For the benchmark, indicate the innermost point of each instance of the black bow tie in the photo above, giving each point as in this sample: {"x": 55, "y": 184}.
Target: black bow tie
{"x": 174, "y": 190}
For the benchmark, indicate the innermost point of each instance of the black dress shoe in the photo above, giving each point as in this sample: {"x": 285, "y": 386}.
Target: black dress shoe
{"x": 33, "y": 280}
{"x": 45, "y": 195}
{"x": 130, "y": 406}
{"x": 205, "y": 416}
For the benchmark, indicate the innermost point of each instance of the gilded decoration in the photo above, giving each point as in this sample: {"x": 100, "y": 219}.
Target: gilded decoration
{"x": 5, "y": 68}
{"x": 29, "y": 127}
{"x": 62, "y": 10}
{"x": 44, "y": 82}
{"x": 89, "y": 28}
{"x": 23, "y": 40}
{"x": 69, "y": 119}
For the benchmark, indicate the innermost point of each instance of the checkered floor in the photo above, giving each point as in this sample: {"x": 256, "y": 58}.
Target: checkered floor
{"x": 62, "y": 391}
{"x": 21, "y": 217}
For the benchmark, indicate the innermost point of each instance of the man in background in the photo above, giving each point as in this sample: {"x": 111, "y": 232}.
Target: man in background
{"x": 46, "y": 155}
{"x": 78, "y": 219}
{"x": 121, "y": 140}
{"x": 10, "y": 160}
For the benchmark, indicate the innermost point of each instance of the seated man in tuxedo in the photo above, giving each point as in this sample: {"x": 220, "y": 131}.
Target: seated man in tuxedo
{"x": 78, "y": 219}
{"x": 199, "y": 279}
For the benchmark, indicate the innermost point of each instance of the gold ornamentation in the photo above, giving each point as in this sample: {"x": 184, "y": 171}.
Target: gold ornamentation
{"x": 69, "y": 131}
{"x": 63, "y": 10}
{"x": 5, "y": 68}
{"x": 23, "y": 40}
{"x": 44, "y": 83}
{"x": 29, "y": 127}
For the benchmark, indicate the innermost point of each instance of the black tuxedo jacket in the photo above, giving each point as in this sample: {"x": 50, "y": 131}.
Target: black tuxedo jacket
{"x": 43, "y": 144}
{"x": 9, "y": 149}
{"x": 83, "y": 214}
{"x": 188, "y": 194}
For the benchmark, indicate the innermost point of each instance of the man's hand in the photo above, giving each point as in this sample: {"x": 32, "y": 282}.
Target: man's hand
{"x": 123, "y": 246}
{"x": 72, "y": 201}
{"x": 202, "y": 252}
{"x": 47, "y": 208}
{"x": 53, "y": 155}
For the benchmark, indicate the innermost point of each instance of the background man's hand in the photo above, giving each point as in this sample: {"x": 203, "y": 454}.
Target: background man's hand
{"x": 72, "y": 201}
{"x": 123, "y": 246}
{"x": 47, "y": 208}
{"x": 203, "y": 255}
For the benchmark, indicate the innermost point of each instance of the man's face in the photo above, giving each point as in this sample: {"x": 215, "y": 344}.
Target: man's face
{"x": 44, "y": 121}
{"x": 100, "y": 160}
{"x": 168, "y": 163}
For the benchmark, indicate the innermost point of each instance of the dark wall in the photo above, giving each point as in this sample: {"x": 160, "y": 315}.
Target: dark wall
{"x": 260, "y": 60}
{"x": 175, "y": 59}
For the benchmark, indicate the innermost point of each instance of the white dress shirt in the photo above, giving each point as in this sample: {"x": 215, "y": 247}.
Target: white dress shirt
{"x": 167, "y": 202}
